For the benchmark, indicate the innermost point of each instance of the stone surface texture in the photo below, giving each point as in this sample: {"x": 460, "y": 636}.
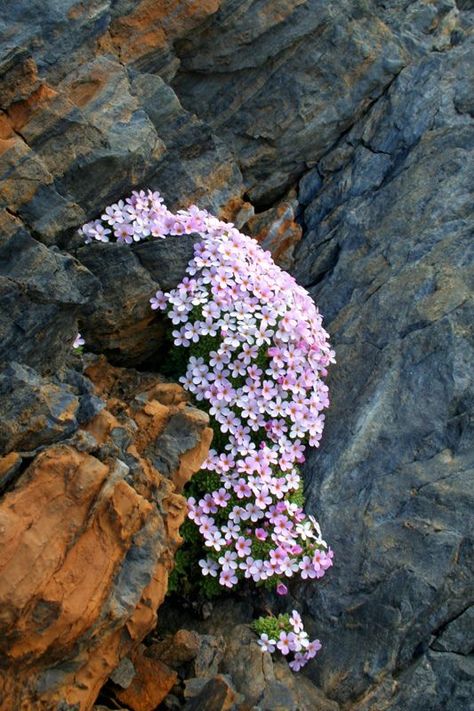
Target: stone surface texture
{"x": 88, "y": 533}
{"x": 341, "y": 135}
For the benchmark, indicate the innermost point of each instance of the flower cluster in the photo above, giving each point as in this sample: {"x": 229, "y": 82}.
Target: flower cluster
{"x": 286, "y": 634}
{"x": 140, "y": 216}
{"x": 257, "y": 358}
{"x": 260, "y": 372}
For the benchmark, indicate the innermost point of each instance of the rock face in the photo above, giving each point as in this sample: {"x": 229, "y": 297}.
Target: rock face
{"x": 387, "y": 254}
{"x": 347, "y": 128}
{"x": 224, "y": 655}
{"x": 88, "y": 536}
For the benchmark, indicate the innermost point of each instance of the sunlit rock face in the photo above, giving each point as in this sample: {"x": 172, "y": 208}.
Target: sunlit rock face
{"x": 88, "y": 533}
{"x": 340, "y": 135}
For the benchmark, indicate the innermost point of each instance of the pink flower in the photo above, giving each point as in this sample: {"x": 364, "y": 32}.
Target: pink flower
{"x": 298, "y": 662}
{"x": 209, "y": 567}
{"x": 281, "y": 589}
{"x": 313, "y": 648}
{"x": 78, "y": 341}
{"x": 228, "y": 561}
{"x": 247, "y": 566}
{"x": 243, "y": 547}
{"x": 285, "y": 642}
{"x": 228, "y": 579}
{"x": 296, "y": 621}
{"x": 242, "y": 489}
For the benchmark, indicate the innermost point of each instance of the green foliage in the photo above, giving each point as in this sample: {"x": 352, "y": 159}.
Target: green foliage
{"x": 272, "y": 626}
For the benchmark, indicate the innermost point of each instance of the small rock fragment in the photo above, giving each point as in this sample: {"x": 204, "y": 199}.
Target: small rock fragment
{"x": 176, "y": 650}
{"x": 150, "y": 685}
{"x": 217, "y": 695}
{"x": 124, "y": 673}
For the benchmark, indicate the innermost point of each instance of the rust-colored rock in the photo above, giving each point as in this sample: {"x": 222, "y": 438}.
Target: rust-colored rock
{"x": 277, "y": 230}
{"x": 151, "y": 28}
{"x": 152, "y": 682}
{"x": 87, "y": 539}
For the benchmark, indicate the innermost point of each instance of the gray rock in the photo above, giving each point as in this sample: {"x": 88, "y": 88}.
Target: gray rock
{"x": 120, "y": 323}
{"x": 261, "y": 79}
{"x": 41, "y": 292}
{"x": 177, "y": 437}
{"x": 250, "y": 669}
{"x": 217, "y": 695}
{"x": 278, "y": 697}
{"x": 35, "y": 411}
{"x": 305, "y": 695}
{"x": 209, "y": 657}
{"x": 434, "y": 682}
{"x": 194, "y": 686}
{"x": 371, "y": 103}
{"x": 166, "y": 259}
{"x": 124, "y": 673}
{"x": 387, "y": 255}
{"x": 458, "y": 635}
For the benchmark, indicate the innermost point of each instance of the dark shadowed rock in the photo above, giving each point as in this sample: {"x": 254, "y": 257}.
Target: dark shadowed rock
{"x": 458, "y": 635}
{"x": 166, "y": 259}
{"x": 175, "y": 650}
{"x": 41, "y": 294}
{"x": 120, "y": 323}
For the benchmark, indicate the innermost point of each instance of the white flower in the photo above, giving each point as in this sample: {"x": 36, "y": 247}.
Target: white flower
{"x": 266, "y": 644}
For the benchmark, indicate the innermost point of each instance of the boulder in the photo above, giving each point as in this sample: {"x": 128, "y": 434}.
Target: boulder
{"x": 95, "y": 525}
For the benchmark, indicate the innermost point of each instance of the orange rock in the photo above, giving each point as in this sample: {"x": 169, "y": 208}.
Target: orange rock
{"x": 153, "y": 26}
{"x": 19, "y": 80}
{"x": 237, "y": 211}
{"x": 21, "y": 111}
{"x": 8, "y": 462}
{"x": 87, "y": 543}
{"x": 152, "y": 683}
{"x": 277, "y": 230}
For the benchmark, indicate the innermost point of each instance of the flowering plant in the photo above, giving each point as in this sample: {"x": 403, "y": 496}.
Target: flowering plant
{"x": 257, "y": 357}
{"x": 286, "y": 633}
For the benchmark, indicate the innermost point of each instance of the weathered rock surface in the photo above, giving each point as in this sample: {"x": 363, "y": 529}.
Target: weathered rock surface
{"x": 41, "y": 292}
{"x": 35, "y": 411}
{"x": 366, "y": 108}
{"x": 277, "y": 230}
{"x": 119, "y": 322}
{"x": 387, "y": 255}
{"x": 88, "y": 535}
{"x": 150, "y": 684}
